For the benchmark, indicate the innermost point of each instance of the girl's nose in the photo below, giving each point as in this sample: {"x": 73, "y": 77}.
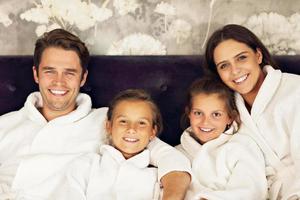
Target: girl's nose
{"x": 205, "y": 120}
{"x": 131, "y": 128}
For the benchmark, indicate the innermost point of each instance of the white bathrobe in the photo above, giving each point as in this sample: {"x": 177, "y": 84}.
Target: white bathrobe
{"x": 32, "y": 149}
{"x": 108, "y": 176}
{"x": 115, "y": 178}
{"x": 226, "y": 168}
{"x": 26, "y": 133}
{"x": 274, "y": 122}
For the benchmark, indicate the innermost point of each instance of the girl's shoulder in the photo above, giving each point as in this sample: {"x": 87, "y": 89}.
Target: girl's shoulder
{"x": 240, "y": 142}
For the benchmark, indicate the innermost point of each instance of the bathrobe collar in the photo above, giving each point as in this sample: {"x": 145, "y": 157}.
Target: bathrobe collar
{"x": 265, "y": 93}
{"x": 34, "y": 101}
{"x": 191, "y": 146}
{"x": 141, "y": 160}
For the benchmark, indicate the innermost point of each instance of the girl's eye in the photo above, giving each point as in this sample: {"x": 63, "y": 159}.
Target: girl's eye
{"x": 216, "y": 114}
{"x": 142, "y": 123}
{"x": 122, "y": 121}
{"x": 197, "y": 113}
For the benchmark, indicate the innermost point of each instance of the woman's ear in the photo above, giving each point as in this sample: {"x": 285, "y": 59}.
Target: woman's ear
{"x": 259, "y": 56}
{"x": 108, "y": 125}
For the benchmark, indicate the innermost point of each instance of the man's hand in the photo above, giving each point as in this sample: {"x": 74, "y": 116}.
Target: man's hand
{"x": 175, "y": 185}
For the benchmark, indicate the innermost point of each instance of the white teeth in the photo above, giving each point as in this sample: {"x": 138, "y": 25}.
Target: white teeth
{"x": 58, "y": 92}
{"x": 130, "y": 139}
{"x": 241, "y": 79}
{"x": 206, "y": 129}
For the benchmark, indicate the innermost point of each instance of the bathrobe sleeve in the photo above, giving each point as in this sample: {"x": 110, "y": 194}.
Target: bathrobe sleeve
{"x": 247, "y": 180}
{"x": 166, "y": 158}
{"x": 5, "y": 192}
{"x": 292, "y": 121}
{"x": 59, "y": 183}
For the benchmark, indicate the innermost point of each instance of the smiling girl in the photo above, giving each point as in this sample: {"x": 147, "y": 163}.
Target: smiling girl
{"x": 225, "y": 164}
{"x": 133, "y": 120}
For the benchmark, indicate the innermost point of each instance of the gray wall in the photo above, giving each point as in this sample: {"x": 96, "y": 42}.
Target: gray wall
{"x": 111, "y": 27}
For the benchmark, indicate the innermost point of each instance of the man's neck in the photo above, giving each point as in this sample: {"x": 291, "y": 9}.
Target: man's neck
{"x": 50, "y": 115}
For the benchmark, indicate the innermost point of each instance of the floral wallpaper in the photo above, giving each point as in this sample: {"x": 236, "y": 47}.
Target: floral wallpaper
{"x": 147, "y": 27}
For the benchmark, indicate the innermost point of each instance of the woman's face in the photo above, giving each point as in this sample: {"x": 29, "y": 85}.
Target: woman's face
{"x": 238, "y": 67}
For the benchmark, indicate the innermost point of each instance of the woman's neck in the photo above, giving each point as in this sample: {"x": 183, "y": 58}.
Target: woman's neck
{"x": 251, "y": 96}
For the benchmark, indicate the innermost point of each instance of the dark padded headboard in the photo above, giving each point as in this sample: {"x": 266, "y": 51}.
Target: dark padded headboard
{"x": 165, "y": 77}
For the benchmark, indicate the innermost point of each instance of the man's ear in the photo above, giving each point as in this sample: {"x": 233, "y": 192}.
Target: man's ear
{"x": 84, "y": 77}
{"x": 108, "y": 125}
{"x": 35, "y": 74}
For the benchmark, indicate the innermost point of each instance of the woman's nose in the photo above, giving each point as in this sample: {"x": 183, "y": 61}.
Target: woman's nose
{"x": 235, "y": 69}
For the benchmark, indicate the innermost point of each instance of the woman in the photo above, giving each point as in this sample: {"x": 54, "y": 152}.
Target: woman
{"x": 268, "y": 102}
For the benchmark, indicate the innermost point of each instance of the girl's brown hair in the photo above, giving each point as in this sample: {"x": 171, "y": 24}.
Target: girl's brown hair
{"x": 137, "y": 95}
{"x": 210, "y": 85}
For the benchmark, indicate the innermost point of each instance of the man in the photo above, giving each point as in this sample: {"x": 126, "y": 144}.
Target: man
{"x": 58, "y": 123}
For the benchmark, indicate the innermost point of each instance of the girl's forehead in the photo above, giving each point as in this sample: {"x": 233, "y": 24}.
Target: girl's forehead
{"x": 137, "y": 107}
{"x": 207, "y": 97}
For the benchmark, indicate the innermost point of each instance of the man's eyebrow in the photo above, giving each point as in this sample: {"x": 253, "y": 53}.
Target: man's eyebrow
{"x": 71, "y": 70}
{"x": 47, "y": 67}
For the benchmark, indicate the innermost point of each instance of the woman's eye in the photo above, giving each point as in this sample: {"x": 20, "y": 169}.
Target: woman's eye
{"x": 242, "y": 57}
{"x": 223, "y": 66}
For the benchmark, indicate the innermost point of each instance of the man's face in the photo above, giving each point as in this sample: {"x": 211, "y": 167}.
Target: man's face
{"x": 59, "y": 77}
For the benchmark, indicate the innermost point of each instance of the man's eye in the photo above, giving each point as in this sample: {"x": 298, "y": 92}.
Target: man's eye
{"x": 48, "y": 72}
{"x": 70, "y": 73}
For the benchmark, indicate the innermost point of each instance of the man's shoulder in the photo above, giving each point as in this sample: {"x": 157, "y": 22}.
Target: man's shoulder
{"x": 11, "y": 114}
{"x": 11, "y": 119}
{"x": 97, "y": 113}
{"x": 100, "y": 111}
